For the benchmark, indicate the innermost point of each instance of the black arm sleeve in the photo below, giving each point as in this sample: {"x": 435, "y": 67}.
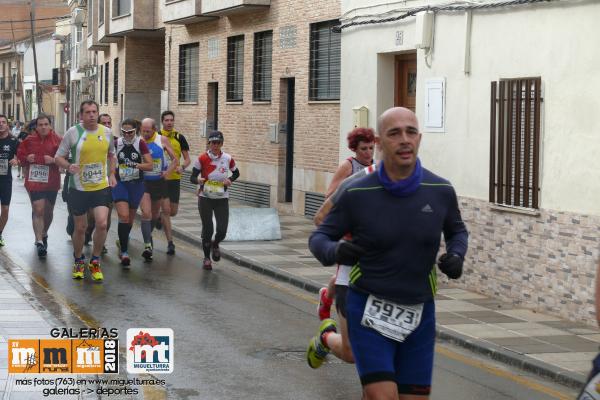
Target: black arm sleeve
{"x": 455, "y": 231}
{"x": 183, "y": 143}
{"x": 194, "y": 176}
{"x": 235, "y": 174}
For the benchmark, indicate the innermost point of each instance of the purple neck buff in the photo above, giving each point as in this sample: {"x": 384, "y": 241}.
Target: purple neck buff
{"x": 403, "y": 187}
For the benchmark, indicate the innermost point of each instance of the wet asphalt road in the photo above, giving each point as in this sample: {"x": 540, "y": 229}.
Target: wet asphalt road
{"x": 238, "y": 335}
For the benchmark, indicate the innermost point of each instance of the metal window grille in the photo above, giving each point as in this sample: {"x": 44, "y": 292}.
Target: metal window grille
{"x": 123, "y": 7}
{"x": 263, "y": 53}
{"x": 116, "y": 81}
{"x": 312, "y": 203}
{"x": 55, "y": 79}
{"x": 189, "y": 58}
{"x": 106, "y": 83}
{"x": 100, "y": 12}
{"x": 515, "y": 142}
{"x": 325, "y": 58}
{"x": 235, "y": 68}
{"x": 101, "y": 77}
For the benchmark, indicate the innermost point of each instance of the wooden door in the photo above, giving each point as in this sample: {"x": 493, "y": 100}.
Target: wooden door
{"x": 405, "y": 88}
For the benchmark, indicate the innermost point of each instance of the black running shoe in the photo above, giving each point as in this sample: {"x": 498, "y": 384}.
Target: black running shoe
{"x": 216, "y": 252}
{"x": 45, "y": 241}
{"x": 41, "y": 250}
{"x": 171, "y": 248}
{"x": 147, "y": 253}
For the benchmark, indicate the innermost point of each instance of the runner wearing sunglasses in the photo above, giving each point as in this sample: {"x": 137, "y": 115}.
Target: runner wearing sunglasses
{"x": 133, "y": 157}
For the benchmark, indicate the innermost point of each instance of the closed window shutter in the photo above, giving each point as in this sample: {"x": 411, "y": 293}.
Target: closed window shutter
{"x": 435, "y": 105}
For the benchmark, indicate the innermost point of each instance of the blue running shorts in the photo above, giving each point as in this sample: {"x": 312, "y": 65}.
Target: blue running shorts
{"x": 379, "y": 359}
{"x": 130, "y": 192}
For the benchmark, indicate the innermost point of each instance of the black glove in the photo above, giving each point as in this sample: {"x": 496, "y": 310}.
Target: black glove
{"x": 451, "y": 265}
{"x": 348, "y": 253}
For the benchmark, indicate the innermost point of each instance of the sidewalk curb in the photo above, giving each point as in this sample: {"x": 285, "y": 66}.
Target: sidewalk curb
{"x": 482, "y": 347}
{"x": 511, "y": 358}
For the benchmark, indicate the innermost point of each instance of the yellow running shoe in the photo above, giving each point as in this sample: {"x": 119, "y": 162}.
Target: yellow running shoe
{"x": 94, "y": 267}
{"x": 78, "y": 269}
{"x": 317, "y": 350}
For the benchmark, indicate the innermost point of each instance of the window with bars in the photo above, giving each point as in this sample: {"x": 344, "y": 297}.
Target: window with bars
{"x": 105, "y": 83}
{"x": 101, "y": 12}
{"x": 515, "y": 142}
{"x": 116, "y": 81}
{"x": 101, "y": 79}
{"x": 325, "y": 58}
{"x": 235, "y": 68}
{"x": 123, "y": 7}
{"x": 263, "y": 53}
{"x": 189, "y": 58}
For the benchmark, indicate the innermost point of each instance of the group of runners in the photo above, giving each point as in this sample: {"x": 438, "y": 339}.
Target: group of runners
{"x": 381, "y": 223}
{"x": 137, "y": 168}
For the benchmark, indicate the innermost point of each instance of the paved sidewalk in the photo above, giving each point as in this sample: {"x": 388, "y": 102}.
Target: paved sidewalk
{"x": 543, "y": 344}
{"x": 21, "y": 317}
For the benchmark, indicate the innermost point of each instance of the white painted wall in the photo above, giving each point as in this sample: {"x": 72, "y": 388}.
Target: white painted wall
{"x": 45, "y": 59}
{"x": 556, "y": 41}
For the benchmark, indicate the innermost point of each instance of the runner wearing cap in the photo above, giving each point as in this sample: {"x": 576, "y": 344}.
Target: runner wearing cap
{"x": 211, "y": 171}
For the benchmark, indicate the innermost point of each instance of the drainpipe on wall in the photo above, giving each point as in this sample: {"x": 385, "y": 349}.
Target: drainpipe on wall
{"x": 467, "y": 60}
{"x": 169, "y": 72}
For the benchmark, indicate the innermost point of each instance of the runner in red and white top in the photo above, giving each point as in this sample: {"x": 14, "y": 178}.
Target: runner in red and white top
{"x": 42, "y": 177}
{"x": 214, "y": 171}
{"x": 332, "y": 337}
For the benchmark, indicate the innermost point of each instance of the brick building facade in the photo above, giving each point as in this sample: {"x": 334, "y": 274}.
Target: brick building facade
{"x": 243, "y": 67}
{"x": 140, "y": 71}
{"x": 247, "y": 114}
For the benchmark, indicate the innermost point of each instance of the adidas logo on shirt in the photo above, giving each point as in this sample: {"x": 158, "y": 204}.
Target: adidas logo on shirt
{"x": 427, "y": 209}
